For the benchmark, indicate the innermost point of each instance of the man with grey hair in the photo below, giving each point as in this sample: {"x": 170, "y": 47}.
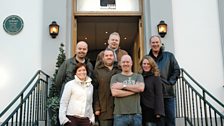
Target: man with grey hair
{"x": 169, "y": 73}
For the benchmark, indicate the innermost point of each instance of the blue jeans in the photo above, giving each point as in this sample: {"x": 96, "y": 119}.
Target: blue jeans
{"x": 128, "y": 120}
{"x": 170, "y": 111}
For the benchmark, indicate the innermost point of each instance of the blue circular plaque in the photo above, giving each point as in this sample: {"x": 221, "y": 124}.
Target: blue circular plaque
{"x": 13, "y": 24}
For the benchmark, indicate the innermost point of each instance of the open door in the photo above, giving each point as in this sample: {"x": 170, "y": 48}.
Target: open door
{"x": 95, "y": 25}
{"x": 74, "y": 35}
{"x": 94, "y": 30}
{"x": 138, "y": 50}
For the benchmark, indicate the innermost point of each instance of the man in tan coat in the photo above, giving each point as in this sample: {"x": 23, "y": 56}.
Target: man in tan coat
{"x": 113, "y": 44}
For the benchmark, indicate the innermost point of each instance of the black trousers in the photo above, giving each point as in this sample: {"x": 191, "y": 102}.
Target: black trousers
{"x": 78, "y": 121}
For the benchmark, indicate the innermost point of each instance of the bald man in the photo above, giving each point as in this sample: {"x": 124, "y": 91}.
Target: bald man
{"x": 126, "y": 87}
{"x": 66, "y": 70}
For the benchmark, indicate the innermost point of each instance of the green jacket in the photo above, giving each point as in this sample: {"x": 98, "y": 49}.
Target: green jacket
{"x": 104, "y": 101}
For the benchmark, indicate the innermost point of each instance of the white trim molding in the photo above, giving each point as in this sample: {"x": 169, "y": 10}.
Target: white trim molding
{"x": 221, "y": 22}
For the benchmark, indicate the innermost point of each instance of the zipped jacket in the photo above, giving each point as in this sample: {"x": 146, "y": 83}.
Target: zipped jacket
{"x": 104, "y": 101}
{"x": 169, "y": 71}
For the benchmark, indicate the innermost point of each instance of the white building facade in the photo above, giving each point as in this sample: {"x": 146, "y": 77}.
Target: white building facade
{"x": 195, "y": 36}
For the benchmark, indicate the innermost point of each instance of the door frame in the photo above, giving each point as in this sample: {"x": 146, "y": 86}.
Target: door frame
{"x": 138, "y": 48}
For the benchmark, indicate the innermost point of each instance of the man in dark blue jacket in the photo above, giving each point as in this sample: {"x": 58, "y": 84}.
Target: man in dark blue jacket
{"x": 169, "y": 72}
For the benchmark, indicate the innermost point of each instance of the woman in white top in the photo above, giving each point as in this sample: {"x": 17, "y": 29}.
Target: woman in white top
{"x": 76, "y": 100}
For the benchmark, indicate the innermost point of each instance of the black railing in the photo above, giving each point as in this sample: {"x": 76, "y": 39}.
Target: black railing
{"x": 29, "y": 107}
{"x": 196, "y": 105}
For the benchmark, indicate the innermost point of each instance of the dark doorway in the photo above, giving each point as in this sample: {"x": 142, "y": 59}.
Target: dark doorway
{"x": 96, "y": 30}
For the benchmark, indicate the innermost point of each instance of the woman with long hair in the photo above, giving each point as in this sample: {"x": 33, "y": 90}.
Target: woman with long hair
{"x": 152, "y": 97}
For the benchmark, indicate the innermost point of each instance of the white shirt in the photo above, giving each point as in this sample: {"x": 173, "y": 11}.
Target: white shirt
{"x": 77, "y": 100}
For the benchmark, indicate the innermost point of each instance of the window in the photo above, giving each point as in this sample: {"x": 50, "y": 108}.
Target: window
{"x": 107, "y": 2}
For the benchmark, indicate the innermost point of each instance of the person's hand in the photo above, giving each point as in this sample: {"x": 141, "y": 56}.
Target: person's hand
{"x": 67, "y": 123}
{"x": 158, "y": 116}
{"x": 117, "y": 85}
{"x": 97, "y": 113}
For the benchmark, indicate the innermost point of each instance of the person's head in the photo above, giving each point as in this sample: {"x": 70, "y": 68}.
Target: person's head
{"x": 155, "y": 43}
{"x": 114, "y": 40}
{"x": 126, "y": 63}
{"x": 108, "y": 57}
{"x": 148, "y": 64}
{"x": 81, "y": 49}
{"x": 81, "y": 71}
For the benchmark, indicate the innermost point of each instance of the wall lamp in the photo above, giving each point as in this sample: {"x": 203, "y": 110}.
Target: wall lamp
{"x": 53, "y": 29}
{"x": 162, "y": 28}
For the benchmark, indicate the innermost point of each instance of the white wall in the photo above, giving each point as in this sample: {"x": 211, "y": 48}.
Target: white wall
{"x": 33, "y": 48}
{"x": 154, "y": 13}
{"x": 197, "y": 42}
{"x": 20, "y": 55}
{"x": 50, "y": 47}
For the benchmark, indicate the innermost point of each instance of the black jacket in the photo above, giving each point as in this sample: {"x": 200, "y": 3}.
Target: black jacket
{"x": 169, "y": 71}
{"x": 152, "y": 96}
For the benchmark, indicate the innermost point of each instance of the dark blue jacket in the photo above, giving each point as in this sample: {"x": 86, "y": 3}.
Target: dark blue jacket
{"x": 169, "y": 71}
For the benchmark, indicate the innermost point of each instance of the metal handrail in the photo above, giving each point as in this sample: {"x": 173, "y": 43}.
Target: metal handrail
{"x": 195, "y": 104}
{"x": 25, "y": 104}
{"x": 202, "y": 88}
{"x": 196, "y": 108}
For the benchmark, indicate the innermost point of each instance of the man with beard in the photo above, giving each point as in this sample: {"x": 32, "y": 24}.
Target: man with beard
{"x": 66, "y": 70}
{"x": 104, "y": 104}
{"x": 126, "y": 87}
{"x": 113, "y": 44}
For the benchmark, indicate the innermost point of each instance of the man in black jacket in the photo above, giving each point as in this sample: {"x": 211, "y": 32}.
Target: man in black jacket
{"x": 66, "y": 70}
{"x": 169, "y": 73}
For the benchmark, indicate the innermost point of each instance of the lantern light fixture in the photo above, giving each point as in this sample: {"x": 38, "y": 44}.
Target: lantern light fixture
{"x": 162, "y": 28}
{"x": 53, "y": 29}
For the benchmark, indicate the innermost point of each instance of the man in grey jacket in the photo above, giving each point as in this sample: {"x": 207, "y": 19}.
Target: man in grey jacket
{"x": 66, "y": 70}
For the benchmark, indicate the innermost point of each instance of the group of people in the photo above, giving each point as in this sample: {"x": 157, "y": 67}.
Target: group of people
{"x": 112, "y": 92}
